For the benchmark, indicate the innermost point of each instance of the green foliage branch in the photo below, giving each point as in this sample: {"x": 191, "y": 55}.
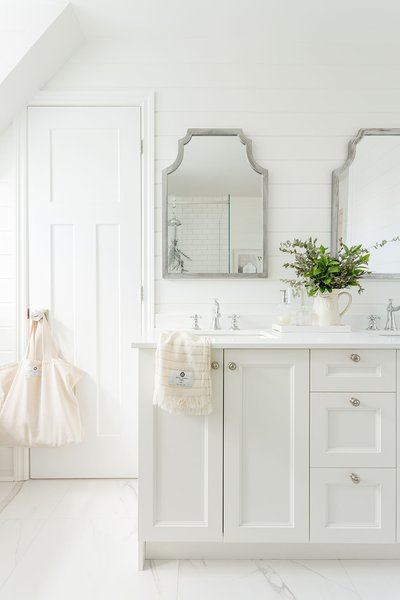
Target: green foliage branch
{"x": 319, "y": 272}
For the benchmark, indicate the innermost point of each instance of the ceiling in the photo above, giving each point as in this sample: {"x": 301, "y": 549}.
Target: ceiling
{"x": 272, "y": 21}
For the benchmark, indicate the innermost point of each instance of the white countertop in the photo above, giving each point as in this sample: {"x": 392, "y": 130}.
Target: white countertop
{"x": 354, "y": 339}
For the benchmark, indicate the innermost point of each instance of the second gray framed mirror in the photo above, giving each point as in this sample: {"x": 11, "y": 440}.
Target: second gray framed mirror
{"x": 214, "y": 208}
{"x": 365, "y": 199}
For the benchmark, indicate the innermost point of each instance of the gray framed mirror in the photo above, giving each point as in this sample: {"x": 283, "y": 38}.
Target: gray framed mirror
{"x": 365, "y": 199}
{"x": 214, "y": 208}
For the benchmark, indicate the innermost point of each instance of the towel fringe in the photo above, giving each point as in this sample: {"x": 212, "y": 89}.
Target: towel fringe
{"x": 184, "y": 405}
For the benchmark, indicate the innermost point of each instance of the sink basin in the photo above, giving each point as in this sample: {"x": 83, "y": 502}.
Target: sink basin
{"x": 389, "y": 333}
{"x": 254, "y": 334}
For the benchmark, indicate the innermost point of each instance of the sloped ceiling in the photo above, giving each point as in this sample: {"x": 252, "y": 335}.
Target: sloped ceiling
{"x": 346, "y": 21}
{"x": 34, "y": 47}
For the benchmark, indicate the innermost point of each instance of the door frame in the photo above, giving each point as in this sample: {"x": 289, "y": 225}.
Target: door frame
{"x": 143, "y": 99}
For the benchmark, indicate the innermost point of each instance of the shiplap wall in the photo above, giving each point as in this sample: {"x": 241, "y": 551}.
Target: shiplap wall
{"x": 8, "y": 278}
{"x": 299, "y": 104}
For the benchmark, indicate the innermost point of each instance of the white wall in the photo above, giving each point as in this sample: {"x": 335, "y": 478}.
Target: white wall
{"x": 299, "y": 104}
{"x": 8, "y": 282}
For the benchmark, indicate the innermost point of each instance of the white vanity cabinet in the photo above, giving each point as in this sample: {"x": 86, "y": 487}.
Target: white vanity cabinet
{"x": 298, "y": 457}
{"x": 266, "y": 445}
{"x": 353, "y": 446}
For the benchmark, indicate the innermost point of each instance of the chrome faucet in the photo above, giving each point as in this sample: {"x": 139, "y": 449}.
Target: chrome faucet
{"x": 372, "y": 325}
{"x": 216, "y": 316}
{"x": 391, "y": 319}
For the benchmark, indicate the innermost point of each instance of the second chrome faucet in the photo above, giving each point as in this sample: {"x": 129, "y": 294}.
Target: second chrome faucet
{"x": 216, "y": 319}
{"x": 391, "y": 318}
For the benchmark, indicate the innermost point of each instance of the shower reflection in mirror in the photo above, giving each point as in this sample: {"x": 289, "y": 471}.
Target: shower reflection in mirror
{"x": 214, "y": 208}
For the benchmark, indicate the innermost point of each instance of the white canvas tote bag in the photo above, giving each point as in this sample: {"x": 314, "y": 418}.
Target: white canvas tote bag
{"x": 38, "y": 406}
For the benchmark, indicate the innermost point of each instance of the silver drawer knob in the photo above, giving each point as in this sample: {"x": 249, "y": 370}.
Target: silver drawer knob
{"x": 232, "y": 366}
{"x": 215, "y": 365}
{"x": 355, "y": 401}
{"x": 355, "y": 478}
{"x": 355, "y": 357}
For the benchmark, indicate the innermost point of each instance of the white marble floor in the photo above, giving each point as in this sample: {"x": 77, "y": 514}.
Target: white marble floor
{"x": 76, "y": 540}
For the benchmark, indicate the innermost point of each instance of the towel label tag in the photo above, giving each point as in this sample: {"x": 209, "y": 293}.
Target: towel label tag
{"x": 33, "y": 371}
{"x": 181, "y": 378}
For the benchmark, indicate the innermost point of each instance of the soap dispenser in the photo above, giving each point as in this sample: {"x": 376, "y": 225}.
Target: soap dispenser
{"x": 284, "y": 313}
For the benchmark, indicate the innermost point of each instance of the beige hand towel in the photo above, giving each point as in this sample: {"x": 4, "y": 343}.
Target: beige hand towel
{"x": 182, "y": 374}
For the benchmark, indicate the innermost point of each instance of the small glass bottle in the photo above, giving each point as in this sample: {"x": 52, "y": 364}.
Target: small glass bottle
{"x": 303, "y": 313}
{"x": 284, "y": 314}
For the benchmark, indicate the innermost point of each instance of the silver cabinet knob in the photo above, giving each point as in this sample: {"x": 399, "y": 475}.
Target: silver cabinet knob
{"x": 232, "y": 366}
{"x": 355, "y": 478}
{"x": 215, "y": 365}
{"x": 355, "y": 357}
{"x": 355, "y": 401}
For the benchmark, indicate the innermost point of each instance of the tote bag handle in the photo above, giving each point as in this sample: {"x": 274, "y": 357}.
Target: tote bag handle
{"x": 49, "y": 348}
{"x": 41, "y": 329}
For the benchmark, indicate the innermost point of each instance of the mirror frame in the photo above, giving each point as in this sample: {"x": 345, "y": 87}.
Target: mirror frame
{"x": 336, "y": 174}
{"x": 174, "y": 166}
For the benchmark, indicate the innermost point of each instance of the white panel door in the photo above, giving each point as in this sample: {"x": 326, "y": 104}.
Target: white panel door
{"x": 266, "y": 445}
{"x": 84, "y": 202}
{"x": 180, "y": 470}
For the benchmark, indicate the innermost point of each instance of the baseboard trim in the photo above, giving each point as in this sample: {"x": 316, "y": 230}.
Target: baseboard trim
{"x": 181, "y": 550}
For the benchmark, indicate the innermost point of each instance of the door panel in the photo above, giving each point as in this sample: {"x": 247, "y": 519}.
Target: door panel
{"x": 180, "y": 485}
{"x": 346, "y": 370}
{"x": 266, "y": 445}
{"x": 354, "y": 430}
{"x": 84, "y": 199}
{"x": 353, "y": 505}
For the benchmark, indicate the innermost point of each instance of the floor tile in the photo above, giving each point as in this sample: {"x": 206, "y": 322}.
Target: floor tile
{"x": 63, "y": 539}
{"x": 93, "y": 498}
{"x": 310, "y": 579}
{"x": 36, "y": 499}
{"x": 87, "y": 559}
{"x": 8, "y": 490}
{"x": 16, "y": 535}
{"x": 226, "y": 580}
{"x": 375, "y": 579}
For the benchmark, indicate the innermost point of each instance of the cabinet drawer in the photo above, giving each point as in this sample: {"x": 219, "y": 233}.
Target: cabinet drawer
{"x": 346, "y": 370}
{"x": 353, "y": 429}
{"x": 344, "y": 511}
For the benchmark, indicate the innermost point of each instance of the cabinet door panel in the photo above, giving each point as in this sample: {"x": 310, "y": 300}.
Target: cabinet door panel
{"x": 353, "y": 429}
{"x": 266, "y": 445}
{"x": 180, "y": 476}
{"x": 344, "y": 511}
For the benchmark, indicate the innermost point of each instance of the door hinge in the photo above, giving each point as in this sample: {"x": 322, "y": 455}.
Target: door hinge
{"x": 28, "y": 313}
{"x": 141, "y": 146}
{"x": 142, "y": 293}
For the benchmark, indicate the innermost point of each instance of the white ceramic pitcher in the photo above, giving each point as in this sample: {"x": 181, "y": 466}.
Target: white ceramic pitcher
{"x": 326, "y": 311}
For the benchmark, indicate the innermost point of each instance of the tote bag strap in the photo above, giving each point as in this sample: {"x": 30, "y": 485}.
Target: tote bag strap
{"x": 40, "y": 333}
{"x": 49, "y": 348}
{"x": 31, "y": 347}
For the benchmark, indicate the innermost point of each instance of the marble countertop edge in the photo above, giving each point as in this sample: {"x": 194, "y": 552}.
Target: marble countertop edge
{"x": 356, "y": 340}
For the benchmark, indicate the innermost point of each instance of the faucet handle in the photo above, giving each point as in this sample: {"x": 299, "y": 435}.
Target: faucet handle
{"x": 372, "y": 322}
{"x": 196, "y": 318}
{"x": 234, "y": 321}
